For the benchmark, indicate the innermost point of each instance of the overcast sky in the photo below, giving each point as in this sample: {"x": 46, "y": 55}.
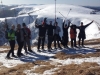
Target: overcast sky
{"x": 74, "y": 2}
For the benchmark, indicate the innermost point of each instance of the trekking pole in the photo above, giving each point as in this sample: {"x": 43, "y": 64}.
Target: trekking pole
{"x": 55, "y": 11}
{"x": 69, "y": 12}
{"x": 64, "y": 17}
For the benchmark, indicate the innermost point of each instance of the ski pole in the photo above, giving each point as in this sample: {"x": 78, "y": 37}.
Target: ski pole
{"x": 55, "y": 11}
{"x": 69, "y": 12}
{"x": 64, "y": 17}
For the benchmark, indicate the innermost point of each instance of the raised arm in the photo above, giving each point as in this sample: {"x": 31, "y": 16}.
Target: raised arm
{"x": 88, "y": 24}
{"x": 78, "y": 27}
{"x": 68, "y": 24}
{"x": 63, "y": 25}
{"x": 36, "y": 25}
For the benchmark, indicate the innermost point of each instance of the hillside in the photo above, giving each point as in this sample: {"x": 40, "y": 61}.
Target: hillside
{"x": 28, "y": 14}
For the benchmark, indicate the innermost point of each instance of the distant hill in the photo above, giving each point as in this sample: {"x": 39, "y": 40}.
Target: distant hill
{"x": 93, "y": 7}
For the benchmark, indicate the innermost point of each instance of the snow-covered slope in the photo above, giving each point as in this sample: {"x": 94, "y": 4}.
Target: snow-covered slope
{"x": 76, "y": 15}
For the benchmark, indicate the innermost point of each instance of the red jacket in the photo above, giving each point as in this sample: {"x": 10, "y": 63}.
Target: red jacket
{"x": 72, "y": 34}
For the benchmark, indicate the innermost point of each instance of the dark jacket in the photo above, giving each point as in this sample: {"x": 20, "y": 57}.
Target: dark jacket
{"x": 42, "y": 29}
{"x": 82, "y": 33}
{"x": 57, "y": 30}
{"x": 50, "y": 30}
{"x": 65, "y": 30}
{"x": 27, "y": 32}
{"x": 20, "y": 35}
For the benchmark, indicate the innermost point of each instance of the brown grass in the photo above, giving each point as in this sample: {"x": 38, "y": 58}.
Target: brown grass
{"x": 82, "y": 69}
{"x": 17, "y": 70}
{"x": 41, "y": 62}
{"x": 85, "y": 68}
{"x": 62, "y": 56}
{"x": 41, "y": 69}
{"x": 8, "y": 48}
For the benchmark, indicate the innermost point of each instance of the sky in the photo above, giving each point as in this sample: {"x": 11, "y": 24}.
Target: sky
{"x": 73, "y": 2}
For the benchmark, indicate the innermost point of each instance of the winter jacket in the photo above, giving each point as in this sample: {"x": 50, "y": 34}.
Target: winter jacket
{"x": 27, "y": 32}
{"x": 50, "y": 30}
{"x": 73, "y": 32}
{"x": 20, "y": 35}
{"x": 82, "y": 33}
{"x": 57, "y": 30}
{"x": 65, "y": 30}
{"x": 42, "y": 30}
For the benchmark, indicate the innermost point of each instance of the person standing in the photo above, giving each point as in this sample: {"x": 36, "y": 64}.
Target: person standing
{"x": 73, "y": 34}
{"x": 65, "y": 34}
{"x": 82, "y": 34}
{"x": 50, "y": 29}
{"x": 42, "y": 31}
{"x": 57, "y": 36}
{"x": 11, "y": 38}
{"x": 20, "y": 39}
{"x": 27, "y": 38}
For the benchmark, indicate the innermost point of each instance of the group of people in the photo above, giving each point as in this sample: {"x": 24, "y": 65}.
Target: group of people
{"x": 53, "y": 34}
{"x": 22, "y": 36}
{"x": 81, "y": 35}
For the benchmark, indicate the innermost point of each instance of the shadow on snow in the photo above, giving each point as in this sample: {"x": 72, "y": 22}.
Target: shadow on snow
{"x": 45, "y": 55}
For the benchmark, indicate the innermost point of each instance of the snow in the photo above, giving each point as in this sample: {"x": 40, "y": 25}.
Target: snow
{"x": 45, "y": 55}
{"x": 77, "y": 14}
{"x": 77, "y": 60}
{"x": 2, "y": 49}
{"x": 9, "y": 63}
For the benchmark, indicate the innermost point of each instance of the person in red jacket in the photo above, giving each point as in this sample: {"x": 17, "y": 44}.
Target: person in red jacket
{"x": 73, "y": 35}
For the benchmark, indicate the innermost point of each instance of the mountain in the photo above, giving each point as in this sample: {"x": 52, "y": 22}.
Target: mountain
{"x": 66, "y": 61}
{"x": 29, "y": 13}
